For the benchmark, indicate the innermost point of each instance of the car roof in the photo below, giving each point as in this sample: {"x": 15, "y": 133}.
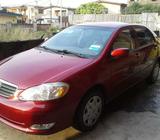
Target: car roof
{"x": 106, "y": 24}
{"x": 113, "y": 25}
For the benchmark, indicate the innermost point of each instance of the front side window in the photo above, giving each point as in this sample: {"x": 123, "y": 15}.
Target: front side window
{"x": 144, "y": 36}
{"x": 124, "y": 40}
{"x": 86, "y": 40}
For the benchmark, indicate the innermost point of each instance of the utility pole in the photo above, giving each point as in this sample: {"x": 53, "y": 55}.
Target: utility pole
{"x": 36, "y": 16}
{"x": 1, "y": 7}
{"x": 51, "y": 11}
{"x": 36, "y": 1}
{"x": 61, "y": 15}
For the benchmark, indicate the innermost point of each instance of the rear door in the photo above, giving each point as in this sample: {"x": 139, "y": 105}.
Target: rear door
{"x": 145, "y": 50}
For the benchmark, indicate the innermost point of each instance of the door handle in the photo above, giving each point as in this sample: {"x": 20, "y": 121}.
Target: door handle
{"x": 137, "y": 54}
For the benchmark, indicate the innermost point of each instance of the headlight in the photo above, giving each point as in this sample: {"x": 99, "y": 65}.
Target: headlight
{"x": 45, "y": 92}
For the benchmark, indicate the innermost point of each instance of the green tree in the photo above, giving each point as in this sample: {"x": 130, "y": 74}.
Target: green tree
{"x": 134, "y": 8}
{"x": 151, "y": 8}
{"x": 91, "y": 8}
{"x": 137, "y": 8}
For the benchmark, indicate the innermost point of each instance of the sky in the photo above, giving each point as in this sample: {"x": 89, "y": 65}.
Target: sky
{"x": 67, "y": 3}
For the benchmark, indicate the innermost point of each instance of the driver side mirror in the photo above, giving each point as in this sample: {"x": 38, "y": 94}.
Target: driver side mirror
{"x": 120, "y": 52}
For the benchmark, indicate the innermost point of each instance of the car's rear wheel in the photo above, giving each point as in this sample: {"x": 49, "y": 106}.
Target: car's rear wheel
{"x": 154, "y": 74}
{"x": 89, "y": 111}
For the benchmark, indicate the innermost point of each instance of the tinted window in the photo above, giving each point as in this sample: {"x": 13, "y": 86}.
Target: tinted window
{"x": 124, "y": 40}
{"x": 144, "y": 36}
{"x": 85, "y": 40}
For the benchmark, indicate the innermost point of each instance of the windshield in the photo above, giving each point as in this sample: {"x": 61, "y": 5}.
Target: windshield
{"x": 84, "y": 40}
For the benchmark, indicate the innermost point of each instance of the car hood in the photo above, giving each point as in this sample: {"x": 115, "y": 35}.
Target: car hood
{"x": 35, "y": 67}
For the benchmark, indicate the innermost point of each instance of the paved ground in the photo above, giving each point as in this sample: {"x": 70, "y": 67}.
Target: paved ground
{"x": 133, "y": 116}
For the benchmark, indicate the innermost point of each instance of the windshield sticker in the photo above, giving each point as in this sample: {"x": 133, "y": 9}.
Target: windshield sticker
{"x": 95, "y": 47}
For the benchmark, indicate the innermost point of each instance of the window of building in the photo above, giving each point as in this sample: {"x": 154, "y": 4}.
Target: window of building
{"x": 40, "y": 11}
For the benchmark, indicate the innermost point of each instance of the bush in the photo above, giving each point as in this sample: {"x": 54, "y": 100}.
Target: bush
{"x": 137, "y": 8}
{"x": 51, "y": 31}
{"x": 91, "y": 8}
{"x": 16, "y": 34}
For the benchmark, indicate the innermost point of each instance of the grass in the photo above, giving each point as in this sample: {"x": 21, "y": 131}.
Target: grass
{"x": 16, "y": 34}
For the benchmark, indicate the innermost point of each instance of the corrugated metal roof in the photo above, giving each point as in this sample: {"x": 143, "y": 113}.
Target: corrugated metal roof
{"x": 56, "y": 6}
{"x": 4, "y": 13}
{"x": 111, "y": 2}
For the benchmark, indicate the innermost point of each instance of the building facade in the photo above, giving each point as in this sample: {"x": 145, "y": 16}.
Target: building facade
{"x": 30, "y": 13}
{"x": 9, "y": 18}
{"x": 53, "y": 13}
{"x": 113, "y": 7}
{"x": 38, "y": 14}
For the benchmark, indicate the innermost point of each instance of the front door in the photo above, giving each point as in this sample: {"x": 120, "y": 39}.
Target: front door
{"x": 122, "y": 75}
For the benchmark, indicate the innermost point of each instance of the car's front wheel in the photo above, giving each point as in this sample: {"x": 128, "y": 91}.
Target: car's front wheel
{"x": 89, "y": 111}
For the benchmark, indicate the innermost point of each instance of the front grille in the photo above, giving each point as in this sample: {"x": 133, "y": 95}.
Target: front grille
{"x": 7, "y": 89}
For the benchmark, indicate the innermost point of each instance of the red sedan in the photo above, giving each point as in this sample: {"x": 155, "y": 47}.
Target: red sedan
{"x": 67, "y": 80}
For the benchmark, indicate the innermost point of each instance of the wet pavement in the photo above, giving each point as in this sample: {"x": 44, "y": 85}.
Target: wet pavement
{"x": 133, "y": 116}
{"x": 141, "y": 98}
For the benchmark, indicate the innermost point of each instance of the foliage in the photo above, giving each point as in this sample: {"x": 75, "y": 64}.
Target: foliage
{"x": 15, "y": 34}
{"x": 137, "y": 8}
{"x": 91, "y": 8}
{"x": 51, "y": 31}
{"x": 151, "y": 8}
{"x": 134, "y": 8}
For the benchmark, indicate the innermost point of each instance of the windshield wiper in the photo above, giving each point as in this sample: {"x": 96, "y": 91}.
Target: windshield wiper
{"x": 48, "y": 49}
{"x": 72, "y": 53}
{"x": 64, "y": 52}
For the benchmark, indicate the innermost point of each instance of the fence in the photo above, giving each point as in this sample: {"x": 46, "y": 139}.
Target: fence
{"x": 39, "y": 27}
{"x": 24, "y": 26}
{"x": 151, "y": 20}
{"x": 35, "y": 27}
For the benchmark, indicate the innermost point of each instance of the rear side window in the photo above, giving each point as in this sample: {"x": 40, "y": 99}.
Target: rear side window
{"x": 144, "y": 36}
{"x": 124, "y": 40}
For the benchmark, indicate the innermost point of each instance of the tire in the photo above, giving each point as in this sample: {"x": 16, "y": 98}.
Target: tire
{"x": 154, "y": 74}
{"x": 89, "y": 111}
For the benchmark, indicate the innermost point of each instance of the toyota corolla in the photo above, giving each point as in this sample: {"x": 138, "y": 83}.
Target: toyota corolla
{"x": 67, "y": 80}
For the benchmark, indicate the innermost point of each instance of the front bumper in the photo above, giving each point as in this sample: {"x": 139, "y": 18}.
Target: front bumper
{"x": 22, "y": 115}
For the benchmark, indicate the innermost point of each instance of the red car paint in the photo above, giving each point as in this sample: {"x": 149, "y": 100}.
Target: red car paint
{"x": 35, "y": 67}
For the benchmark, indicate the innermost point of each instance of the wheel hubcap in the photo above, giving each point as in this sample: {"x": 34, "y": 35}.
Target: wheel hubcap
{"x": 92, "y": 111}
{"x": 156, "y": 72}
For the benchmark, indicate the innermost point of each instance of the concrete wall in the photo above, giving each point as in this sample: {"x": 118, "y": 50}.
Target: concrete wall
{"x": 151, "y": 20}
{"x": 77, "y": 19}
{"x": 8, "y": 19}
